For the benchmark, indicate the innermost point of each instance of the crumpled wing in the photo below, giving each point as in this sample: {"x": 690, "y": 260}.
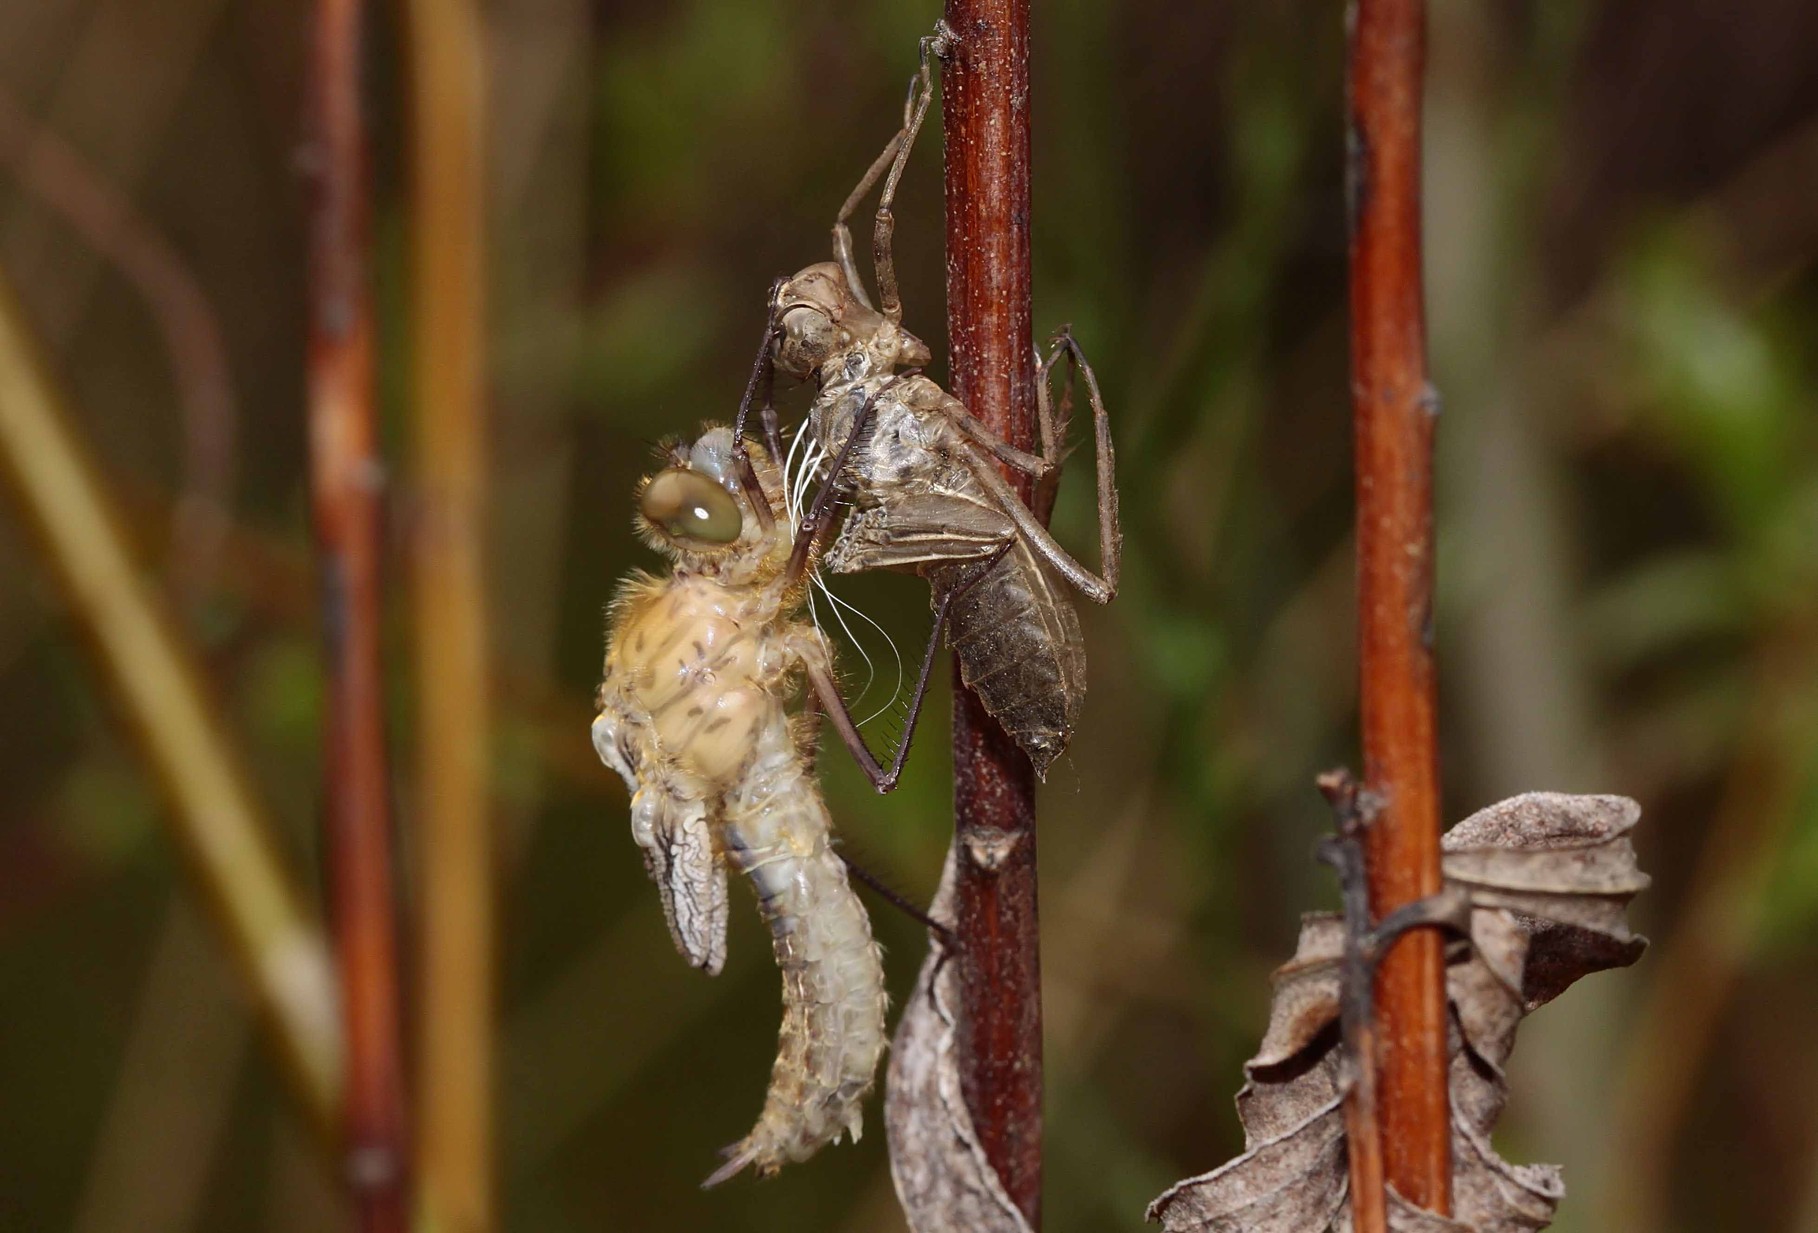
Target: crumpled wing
{"x": 673, "y": 831}
{"x": 689, "y": 872}
{"x": 922, "y": 528}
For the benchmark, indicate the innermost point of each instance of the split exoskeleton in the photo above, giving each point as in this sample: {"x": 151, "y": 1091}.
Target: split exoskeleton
{"x": 702, "y": 664}
{"x": 921, "y": 484}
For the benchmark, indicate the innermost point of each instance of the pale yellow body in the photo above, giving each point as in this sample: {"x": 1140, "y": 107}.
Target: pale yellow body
{"x": 685, "y": 658}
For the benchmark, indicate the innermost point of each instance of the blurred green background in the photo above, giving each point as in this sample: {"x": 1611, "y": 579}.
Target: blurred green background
{"x": 1623, "y": 222}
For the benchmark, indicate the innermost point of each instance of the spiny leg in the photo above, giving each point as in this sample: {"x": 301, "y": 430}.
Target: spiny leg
{"x": 808, "y": 733}
{"x": 763, "y": 376}
{"x": 888, "y": 893}
{"x": 982, "y": 441}
{"x": 1110, "y": 532}
{"x": 833, "y": 702}
{"x": 915, "y": 110}
{"x": 894, "y": 157}
{"x": 967, "y": 537}
{"x": 842, "y": 234}
{"x": 976, "y": 431}
{"x": 1054, "y": 423}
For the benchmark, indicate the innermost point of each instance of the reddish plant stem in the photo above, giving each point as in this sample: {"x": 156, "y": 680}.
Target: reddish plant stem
{"x": 985, "y": 110}
{"x": 345, "y": 476}
{"x": 1394, "y": 410}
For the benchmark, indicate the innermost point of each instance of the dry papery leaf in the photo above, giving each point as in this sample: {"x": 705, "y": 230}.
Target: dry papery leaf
{"x": 943, "y": 1180}
{"x": 1548, "y": 877}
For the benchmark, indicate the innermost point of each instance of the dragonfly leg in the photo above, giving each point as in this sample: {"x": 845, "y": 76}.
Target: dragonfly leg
{"x": 1032, "y": 465}
{"x": 826, "y": 688}
{"x": 1099, "y": 589}
{"x": 810, "y": 732}
{"x": 1110, "y": 533}
{"x": 842, "y": 234}
{"x": 980, "y": 445}
{"x": 762, "y": 380}
{"x": 915, "y": 110}
{"x": 894, "y": 157}
{"x": 1053, "y": 421}
{"x": 888, "y": 893}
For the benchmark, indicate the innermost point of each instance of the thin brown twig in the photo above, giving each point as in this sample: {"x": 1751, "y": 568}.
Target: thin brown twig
{"x": 54, "y": 172}
{"x": 1357, "y": 1020}
{"x": 215, "y": 816}
{"x": 1394, "y": 409}
{"x": 345, "y": 481}
{"x": 454, "y": 1147}
{"x": 116, "y": 102}
{"x": 986, "y": 118}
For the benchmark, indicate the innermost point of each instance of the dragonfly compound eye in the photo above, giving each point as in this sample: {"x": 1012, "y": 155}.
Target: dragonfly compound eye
{"x": 807, "y": 340}
{"x": 689, "y": 507}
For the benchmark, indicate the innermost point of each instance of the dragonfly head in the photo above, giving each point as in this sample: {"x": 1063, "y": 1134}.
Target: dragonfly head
{"x": 695, "y": 509}
{"x": 820, "y": 319}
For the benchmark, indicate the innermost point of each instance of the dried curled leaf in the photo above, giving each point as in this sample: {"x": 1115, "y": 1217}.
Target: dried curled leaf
{"x": 1567, "y": 863}
{"x": 943, "y": 1180}
{"x": 1548, "y": 877}
{"x": 1287, "y": 1184}
{"x": 1306, "y": 991}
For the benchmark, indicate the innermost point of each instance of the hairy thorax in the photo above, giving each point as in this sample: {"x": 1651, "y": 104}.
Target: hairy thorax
{"x": 690, "y": 661}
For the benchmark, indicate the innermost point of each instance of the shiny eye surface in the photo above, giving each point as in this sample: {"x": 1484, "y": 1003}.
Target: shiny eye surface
{"x": 689, "y": 506}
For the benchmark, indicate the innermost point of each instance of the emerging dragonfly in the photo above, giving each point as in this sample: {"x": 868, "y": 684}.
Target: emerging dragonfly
{"x": 923, "y": 481}
{"x": 701, "y": 665}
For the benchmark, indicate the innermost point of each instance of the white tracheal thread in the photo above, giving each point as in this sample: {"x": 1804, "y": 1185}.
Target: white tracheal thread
{"x": 700, "y": 669}
{"x": 799, "y": 471}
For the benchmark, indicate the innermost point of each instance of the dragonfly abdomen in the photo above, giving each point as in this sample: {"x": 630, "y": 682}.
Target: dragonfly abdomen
{"x": 1018, "y": 643}
{"x": 776, "y": 832}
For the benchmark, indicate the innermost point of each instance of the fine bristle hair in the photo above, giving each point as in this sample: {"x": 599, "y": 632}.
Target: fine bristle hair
{"x": 896, "y": 701}
{"x": 798, "y": 471}
{"x": 839, "y": 614}
{"x": 805, "y": 461}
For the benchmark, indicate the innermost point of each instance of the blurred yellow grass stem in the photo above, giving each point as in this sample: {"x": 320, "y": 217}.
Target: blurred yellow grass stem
{"x": 214, "y": 815}
{"x": 449, "y": 343}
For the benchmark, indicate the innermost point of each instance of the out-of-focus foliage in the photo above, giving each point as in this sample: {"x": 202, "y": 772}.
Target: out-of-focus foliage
{"x": 1622, "y": 298}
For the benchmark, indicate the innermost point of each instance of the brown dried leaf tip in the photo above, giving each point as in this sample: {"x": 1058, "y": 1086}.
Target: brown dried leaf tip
{"x": 943, "y": 1180}
{"x": 1548, "y": 877}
